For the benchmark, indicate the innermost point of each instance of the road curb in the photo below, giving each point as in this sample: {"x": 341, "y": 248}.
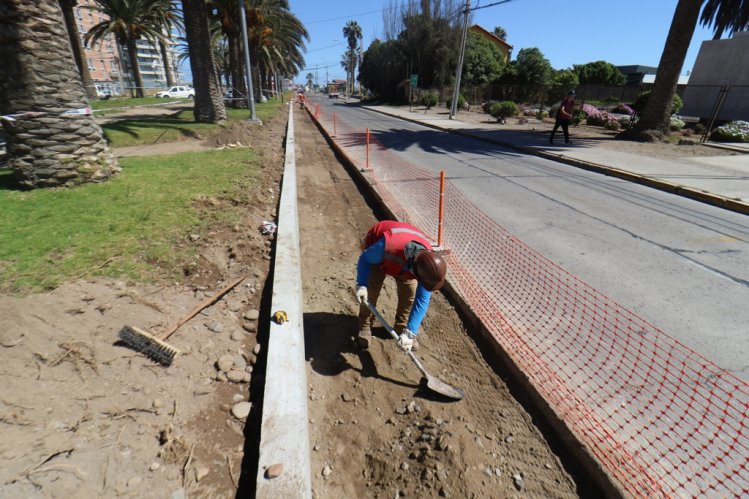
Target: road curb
{"x": 661, "y": 185}
{"x": 284, "y": 433}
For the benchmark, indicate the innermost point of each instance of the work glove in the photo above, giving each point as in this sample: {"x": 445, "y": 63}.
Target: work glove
{"x": 361, "y": 295}
{"x": 406, "y": 340}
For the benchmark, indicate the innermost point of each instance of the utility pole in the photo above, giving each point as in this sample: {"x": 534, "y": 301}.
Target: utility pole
{"x": 459, "y": 71}
{"x": 250, "y": 91}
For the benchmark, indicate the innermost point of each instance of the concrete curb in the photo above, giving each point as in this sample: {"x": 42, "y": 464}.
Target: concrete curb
{"x": 661, "y": 185}
{"x": 284, "y": 434}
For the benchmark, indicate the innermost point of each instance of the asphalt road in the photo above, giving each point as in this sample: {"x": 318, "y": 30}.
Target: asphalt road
{"x": 679, "y": 264}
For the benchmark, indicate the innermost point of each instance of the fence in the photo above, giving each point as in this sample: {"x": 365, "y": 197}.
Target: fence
{"x": 661, "y": 419}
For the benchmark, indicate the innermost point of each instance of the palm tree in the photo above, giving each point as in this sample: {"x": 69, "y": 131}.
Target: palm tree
{"x": 75, "y": 44}
{"x": 310, "y": 79}
{"x": 724, "y": 15}
{"x": 353, "y": 33}
{"x": 226, "y": 15}
{"x": 209, "y": 102}
{"x": 39, "y": 84}
{"x": 130, "y": 21}
{"x": 500, "y": 33}
{"x": 277, "y": 40}
{"x": 347, "y": 65}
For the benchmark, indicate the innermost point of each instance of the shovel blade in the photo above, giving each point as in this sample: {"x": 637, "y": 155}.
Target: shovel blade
{"x": 439, "y": 386}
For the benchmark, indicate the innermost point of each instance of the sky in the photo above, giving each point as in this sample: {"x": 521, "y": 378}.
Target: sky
{"x": 567, "y": 32}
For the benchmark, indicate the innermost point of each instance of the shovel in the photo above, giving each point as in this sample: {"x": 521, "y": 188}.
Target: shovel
{"x": 434, "y": 384}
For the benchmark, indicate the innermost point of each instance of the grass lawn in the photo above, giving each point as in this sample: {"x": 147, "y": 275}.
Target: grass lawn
{"x": 137, "y": 132}
{"x": 129, "y": 227}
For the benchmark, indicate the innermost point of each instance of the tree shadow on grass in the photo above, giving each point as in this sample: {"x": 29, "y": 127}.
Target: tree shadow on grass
{"x": 134, "y": 128}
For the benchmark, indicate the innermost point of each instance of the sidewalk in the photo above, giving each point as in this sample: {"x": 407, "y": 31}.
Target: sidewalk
{"x": 717, "y": 180}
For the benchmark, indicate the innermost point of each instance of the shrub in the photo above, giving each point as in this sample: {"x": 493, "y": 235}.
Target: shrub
{"x": 625, "y": 122}
{"x": 611, "y": 99}
{"x": 612, "y": 125}
{"x": 588, "y": 109}
{"x": 578, "y": 115}
{"x": 676, "y": 123}
{"x": 461, "y": 102}
{"x": 735, "y": 131}
{"x": 601, "y": 118}
{"x": 541, "y": 114}
{"x": 504, "y": 109}
{"x": 487, "y": 106}
{"x": 642, "y": 101}
{"x": 429, "y": 99}
{"x": 699, "y": 128}
{"x": 623, "y": 109}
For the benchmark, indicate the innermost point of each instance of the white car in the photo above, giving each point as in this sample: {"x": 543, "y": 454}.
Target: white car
{"x": 178, "y": 93}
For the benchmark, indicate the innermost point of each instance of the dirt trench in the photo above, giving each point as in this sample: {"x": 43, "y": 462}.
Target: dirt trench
{"x": 374, "y": 432}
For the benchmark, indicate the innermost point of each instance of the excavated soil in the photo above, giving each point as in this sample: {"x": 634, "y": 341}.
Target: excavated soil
{"x": 83, "y": 416}
{"x": 374, "y": 431}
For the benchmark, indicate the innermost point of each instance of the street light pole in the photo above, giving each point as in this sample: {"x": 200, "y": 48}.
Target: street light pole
{"x": 250, "y": 91}
{"x": 459, "y": 71}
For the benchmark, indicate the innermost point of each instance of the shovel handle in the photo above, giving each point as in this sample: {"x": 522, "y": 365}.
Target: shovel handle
{"x": 395, "y": 337}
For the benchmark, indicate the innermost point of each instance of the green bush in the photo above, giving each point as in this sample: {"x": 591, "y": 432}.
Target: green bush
{"x": 612, "y": 125}
{"x": 597, "y": 119}
{"x": 625, "y": 122}
{"x": 578, "y": 115}
{"x": 504, "y": 109}
{"x": 699, "y": 128}
{"x": 735, "y": 131}
{"x": 642, "y": 101}
{"x": 429, "y": 99}
{"x": 487, "y": 106}
{"x": 541, "y": 114}
{"x": 676, "y": 123}
{"x": 461, "y": 102}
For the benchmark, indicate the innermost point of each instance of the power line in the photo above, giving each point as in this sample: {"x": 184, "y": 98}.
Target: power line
{"x": 349, "y": 16}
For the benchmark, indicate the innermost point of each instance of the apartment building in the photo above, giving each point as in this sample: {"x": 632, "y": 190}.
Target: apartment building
{"x": 109, "y": 63}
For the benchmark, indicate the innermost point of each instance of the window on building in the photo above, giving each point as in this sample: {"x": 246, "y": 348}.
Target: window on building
{"x": 91, "y": 65}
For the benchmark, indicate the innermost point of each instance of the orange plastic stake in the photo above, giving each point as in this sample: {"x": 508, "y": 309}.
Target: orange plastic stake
{"x": 367, "y": 148}
{"x": 441, "y": 208}
{"x": 334, "y": 132}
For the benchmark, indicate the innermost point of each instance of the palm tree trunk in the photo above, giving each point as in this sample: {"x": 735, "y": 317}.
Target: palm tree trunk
{"x": 39, "y": 83}
{"x": 132, "y": 52}
{"x": 77, "y": 47}
{"x": 166, "y": 61}
{"x": 209, "y": 103}
{"x": 657, "y": 112}
{"x": 236, "y": 69}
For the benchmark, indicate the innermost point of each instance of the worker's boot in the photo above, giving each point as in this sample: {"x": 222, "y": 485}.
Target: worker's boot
{"x": 363, "y": 338}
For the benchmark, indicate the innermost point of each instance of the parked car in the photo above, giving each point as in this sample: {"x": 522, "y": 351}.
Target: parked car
{"x": 177, "y": 93}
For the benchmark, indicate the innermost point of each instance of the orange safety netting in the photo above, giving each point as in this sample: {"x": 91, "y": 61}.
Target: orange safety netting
{"x": 660, "y": 418}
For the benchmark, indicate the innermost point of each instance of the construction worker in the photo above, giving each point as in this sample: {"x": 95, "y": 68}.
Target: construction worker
{"x": 402, "y": 251}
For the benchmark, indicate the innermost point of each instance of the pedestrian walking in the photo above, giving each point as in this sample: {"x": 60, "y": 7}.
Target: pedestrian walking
{"x": 564, "y": 117}
{"x": 402, "y": 251}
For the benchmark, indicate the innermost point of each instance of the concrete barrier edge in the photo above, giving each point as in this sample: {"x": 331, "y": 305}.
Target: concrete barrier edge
{"x": 284, "y": 434}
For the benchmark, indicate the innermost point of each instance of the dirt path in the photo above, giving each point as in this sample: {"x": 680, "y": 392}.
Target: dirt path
{"x": 373, "y": 432}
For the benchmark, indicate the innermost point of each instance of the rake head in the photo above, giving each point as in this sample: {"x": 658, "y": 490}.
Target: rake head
{"x": 149, "y": 345}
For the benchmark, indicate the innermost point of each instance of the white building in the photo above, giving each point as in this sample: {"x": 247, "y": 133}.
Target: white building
{"x": 720, "y": 79}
